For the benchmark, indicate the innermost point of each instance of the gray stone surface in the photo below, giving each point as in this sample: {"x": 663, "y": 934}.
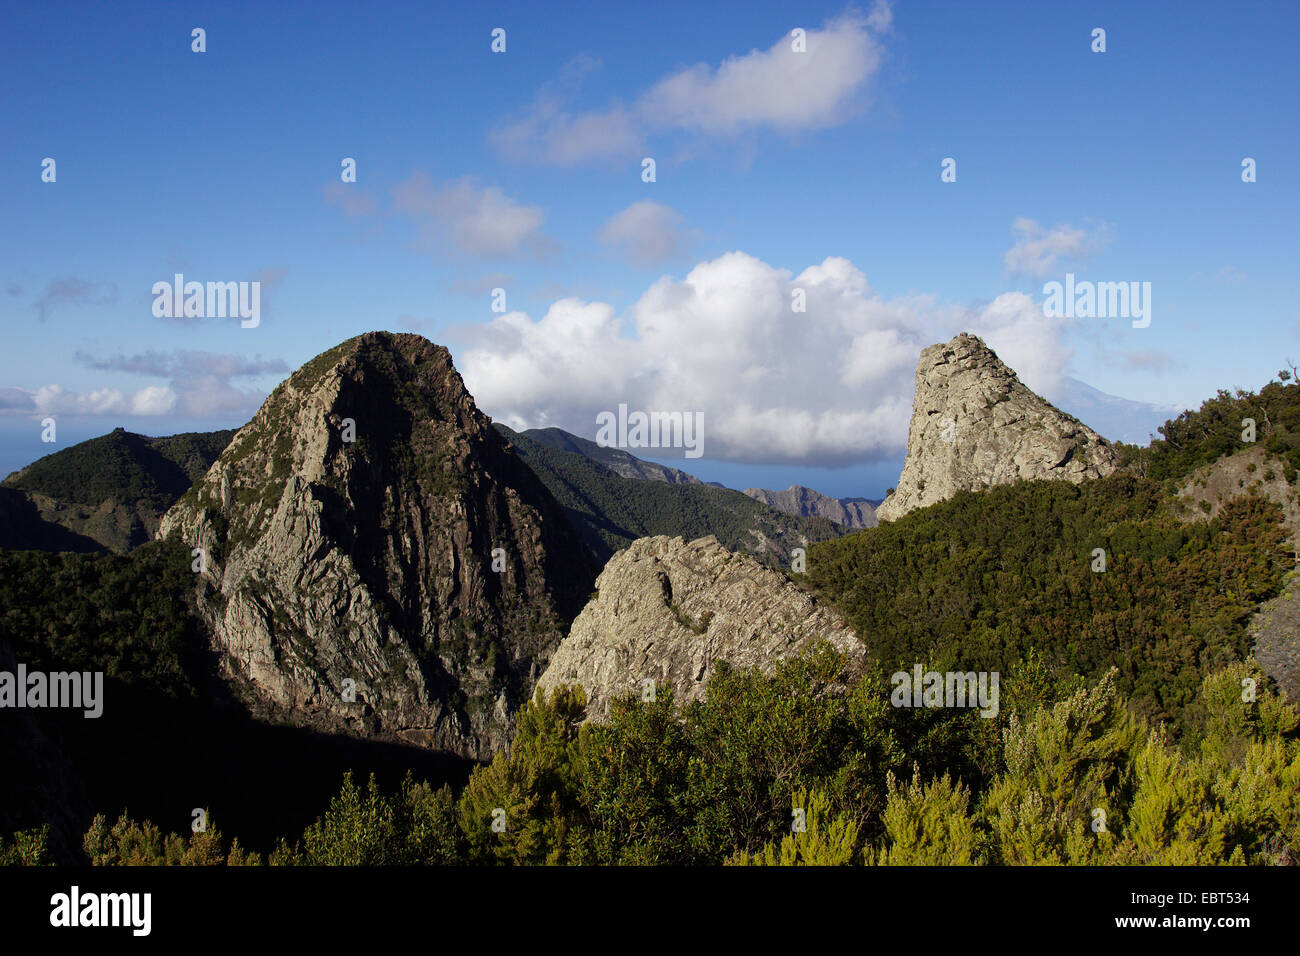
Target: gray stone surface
{"x": 975, "y": 425}
{"x": 371, "y": 561}
{"x": 668, "y": 611}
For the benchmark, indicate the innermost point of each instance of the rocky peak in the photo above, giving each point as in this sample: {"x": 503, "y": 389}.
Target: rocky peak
{"x": 378, "y": 560}
{"x": 974, "y": 425}
{"x": 668, "y": 611}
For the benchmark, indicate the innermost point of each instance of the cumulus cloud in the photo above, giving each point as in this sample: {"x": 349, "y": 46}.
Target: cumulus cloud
{"x": 56, "y": 400}
{"x": 474, "y": 220}
{"x": 647, "y": 233}
{"x": 773, "y": 89}
{"x": 828, "y": 386}
{"x": 72, "y": 290}
{"x": 1038, "y": 251}
{"x": 200, "y": 385}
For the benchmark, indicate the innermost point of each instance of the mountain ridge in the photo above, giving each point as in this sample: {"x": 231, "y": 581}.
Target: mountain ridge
{"x": 611, "y": 510}
{"x": 851, "y": 513}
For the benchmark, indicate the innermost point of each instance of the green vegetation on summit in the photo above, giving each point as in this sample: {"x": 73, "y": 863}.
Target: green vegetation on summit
{"x": 106, "y": 493}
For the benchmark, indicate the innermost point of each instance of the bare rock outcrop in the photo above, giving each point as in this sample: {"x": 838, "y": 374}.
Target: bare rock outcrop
{"x": 378, "y": 561}
{"x": 975, "y": 425}
{"x": 668, "y": 611}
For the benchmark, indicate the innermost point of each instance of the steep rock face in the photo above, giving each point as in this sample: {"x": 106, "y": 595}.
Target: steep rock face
{"x": 975, "y": 425}
{"x": 668, "y": 611}
{"x": 807, "y": 503}
{"x": 350, "y": 586}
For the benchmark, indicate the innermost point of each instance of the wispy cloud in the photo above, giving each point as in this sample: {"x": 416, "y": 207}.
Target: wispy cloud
{"x": 1150, "y": 360}
{"x": 1039, "y": 252}
{"x": 470, "y": 219}
{"x": 776, "y": 89}
{"x": 183, "y": 363}
{"x": 199, "y": 385}
{"x": 647, "y": 233}
{"x": 72, "y": 290}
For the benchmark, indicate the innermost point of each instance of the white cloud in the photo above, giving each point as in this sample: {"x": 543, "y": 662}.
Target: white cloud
{"x": 549, "y": 133}
{"x": 56, "y": 400}
{"x": 153, "y": 400}
{"x": 200, "y": 386}
{"x": 648, "y": 233}
{"x": 829, "y": 386}
{"x": 475, "y": 221}
{"x": 200, "y": 383}
{"x": 776, "y": 88}
{"x": 1038, "y": 251}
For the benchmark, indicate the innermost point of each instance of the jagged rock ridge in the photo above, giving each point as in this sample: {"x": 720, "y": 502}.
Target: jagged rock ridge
{"x": 668, "y": 611}
{"x": 975, "y": 425}
{"x": 807, "y": 503}
{"x": 350, "y": 585}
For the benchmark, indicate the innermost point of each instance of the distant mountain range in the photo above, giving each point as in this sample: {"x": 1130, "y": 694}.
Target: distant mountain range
{"x": 110, "y": 493}
{"x": 1115, "y": 418}
{"x": 615, "y": 459}
{"x": 852, "y": 513}
{"x": 611, "y": 509}
{"x": 797, "y": 500}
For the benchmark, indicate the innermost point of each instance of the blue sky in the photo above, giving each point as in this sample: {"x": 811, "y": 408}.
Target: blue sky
{"x": 523, "y": 170}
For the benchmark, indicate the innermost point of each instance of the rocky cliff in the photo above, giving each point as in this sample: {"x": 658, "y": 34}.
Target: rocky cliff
{"x": 667, "y": 611}
{"x": 807, "y": 503}
{"x": 378, "y": 561}
{"x": 974, "y": 425}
